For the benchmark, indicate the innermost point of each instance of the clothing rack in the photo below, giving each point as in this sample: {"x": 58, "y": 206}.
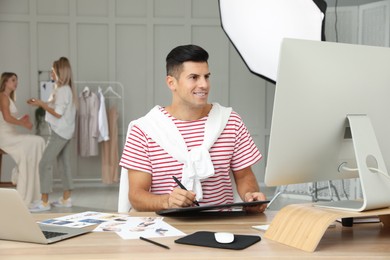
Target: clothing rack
{"x": 110, "y": 90}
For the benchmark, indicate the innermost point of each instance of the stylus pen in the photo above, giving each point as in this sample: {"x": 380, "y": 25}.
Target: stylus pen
{"x": 154, "y": 242}
{"x": 184, "y": 188}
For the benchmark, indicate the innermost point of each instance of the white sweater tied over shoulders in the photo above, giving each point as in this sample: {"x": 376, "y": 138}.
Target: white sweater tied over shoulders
{"x": 197, "y": 164}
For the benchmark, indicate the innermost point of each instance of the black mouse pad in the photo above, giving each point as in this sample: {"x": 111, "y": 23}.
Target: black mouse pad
{"x": 206, "y": 238}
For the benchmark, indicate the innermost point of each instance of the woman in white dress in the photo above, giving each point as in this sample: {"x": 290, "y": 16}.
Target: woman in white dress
{"x": 25, "y": 149}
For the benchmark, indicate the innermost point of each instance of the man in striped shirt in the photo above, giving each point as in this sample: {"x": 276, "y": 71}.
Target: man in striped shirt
{"x": 210, "y": 159}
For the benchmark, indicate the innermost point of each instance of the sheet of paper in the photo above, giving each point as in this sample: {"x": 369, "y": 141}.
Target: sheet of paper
{"x": 148, "y": 227}
{"x": 125, "y": 226}
{"x": 85, "y": 219}
{"x": 46, "y": 88}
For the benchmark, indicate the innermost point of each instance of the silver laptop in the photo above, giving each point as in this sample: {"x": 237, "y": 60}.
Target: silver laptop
{"x": 17, "y": 223}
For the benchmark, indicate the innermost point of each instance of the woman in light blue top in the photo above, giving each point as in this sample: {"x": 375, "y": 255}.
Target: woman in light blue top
{"x": 61, "y": 118}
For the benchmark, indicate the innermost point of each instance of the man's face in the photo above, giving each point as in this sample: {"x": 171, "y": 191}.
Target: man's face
{"x": 192, "y": 85}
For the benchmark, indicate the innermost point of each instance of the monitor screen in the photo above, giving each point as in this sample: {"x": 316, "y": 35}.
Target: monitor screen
{"x": 320, "y": 84}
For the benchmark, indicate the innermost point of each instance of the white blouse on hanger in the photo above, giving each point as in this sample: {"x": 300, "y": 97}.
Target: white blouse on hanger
{"x": 104, "y": 134}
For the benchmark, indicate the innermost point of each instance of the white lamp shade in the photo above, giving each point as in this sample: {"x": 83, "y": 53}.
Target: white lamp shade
{"x": 256, "y": 29}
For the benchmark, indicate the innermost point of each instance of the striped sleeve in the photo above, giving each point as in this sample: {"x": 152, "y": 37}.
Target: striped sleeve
{"x": 245, "y": 151}
{"x": 135, "y": 152}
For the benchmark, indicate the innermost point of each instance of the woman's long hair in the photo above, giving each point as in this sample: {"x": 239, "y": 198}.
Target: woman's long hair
{"x": 63, "y": 71}
{"x": 5, "y": 76}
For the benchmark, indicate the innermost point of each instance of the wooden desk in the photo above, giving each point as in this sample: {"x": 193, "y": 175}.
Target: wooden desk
{"x": 364, "y": 241}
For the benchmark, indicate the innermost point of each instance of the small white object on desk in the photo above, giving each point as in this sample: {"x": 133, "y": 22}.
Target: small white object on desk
{"x": 224, "y": 237}
{"x": 261, "y": 227}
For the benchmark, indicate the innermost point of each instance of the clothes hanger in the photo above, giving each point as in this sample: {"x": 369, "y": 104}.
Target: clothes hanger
{"x": 109, "y": 90}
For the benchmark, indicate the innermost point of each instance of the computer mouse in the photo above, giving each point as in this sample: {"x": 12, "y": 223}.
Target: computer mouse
{"x": 224, "y": 237}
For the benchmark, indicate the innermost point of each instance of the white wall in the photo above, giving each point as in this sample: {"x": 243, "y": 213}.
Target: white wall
{"x": 127, "y": 41}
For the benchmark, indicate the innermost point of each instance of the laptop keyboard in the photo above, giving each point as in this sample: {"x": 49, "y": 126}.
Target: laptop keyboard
{"x": 51, "y": 234}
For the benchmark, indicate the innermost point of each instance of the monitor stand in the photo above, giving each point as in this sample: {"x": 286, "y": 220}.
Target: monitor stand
{"x": 303, "y": 225}
{"x": 374, "y": 179}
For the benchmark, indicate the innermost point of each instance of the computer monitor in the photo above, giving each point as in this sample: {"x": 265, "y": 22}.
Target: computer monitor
{"x": 331, "y": 119}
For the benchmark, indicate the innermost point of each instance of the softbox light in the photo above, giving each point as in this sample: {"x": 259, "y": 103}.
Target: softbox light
{"x": 256, "y": 28}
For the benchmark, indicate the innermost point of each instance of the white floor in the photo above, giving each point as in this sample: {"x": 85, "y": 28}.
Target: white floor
{"x": 100, "y": 198}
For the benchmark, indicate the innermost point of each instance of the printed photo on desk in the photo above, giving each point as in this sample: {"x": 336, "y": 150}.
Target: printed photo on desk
{"x": 88, "y": 218}
{"x": 148, "y": 227}
{"x": 125, "y": 226}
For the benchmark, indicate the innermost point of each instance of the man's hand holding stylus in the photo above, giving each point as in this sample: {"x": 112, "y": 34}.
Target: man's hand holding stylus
{"x": 180, "y": 198}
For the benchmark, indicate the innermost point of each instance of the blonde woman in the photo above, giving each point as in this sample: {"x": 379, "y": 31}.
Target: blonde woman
{"x": 61, "y": 117}
{"x": 25, "y": 149}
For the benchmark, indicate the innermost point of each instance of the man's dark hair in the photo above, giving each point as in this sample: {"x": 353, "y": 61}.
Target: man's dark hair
{"x": 181, "y": 54}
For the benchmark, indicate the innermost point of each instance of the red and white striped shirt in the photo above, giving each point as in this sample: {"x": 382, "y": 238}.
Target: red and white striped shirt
{"x": 234, "y": 150}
